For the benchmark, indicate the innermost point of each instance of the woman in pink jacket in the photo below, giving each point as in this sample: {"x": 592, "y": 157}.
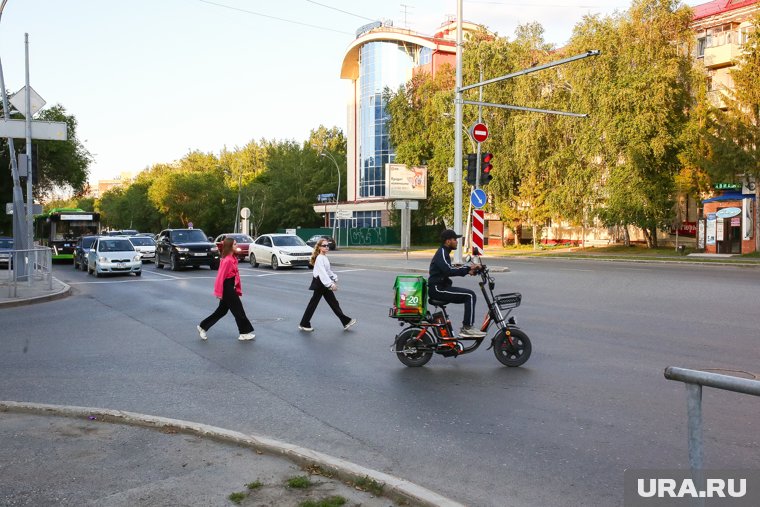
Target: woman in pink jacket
{"x": 228, "y": 290}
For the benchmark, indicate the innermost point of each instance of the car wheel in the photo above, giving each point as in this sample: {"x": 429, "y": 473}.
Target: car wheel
{"x": 138, "y": 273}
{"x": 97, "y": 273}
{"x": 253, "y": 262}
{"x": 173, "y": 263}
{"x": 275, "y": 264}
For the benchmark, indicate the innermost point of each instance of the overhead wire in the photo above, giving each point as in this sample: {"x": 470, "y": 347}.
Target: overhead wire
{"x": 340, "y": 10}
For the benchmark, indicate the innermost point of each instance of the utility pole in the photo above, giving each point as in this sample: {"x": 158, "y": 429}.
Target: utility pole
{"x": 458, "y": 137}
{"x": 29, "y": 198}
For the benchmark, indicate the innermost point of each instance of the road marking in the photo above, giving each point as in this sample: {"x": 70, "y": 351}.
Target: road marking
{"x": 575, "y": 269}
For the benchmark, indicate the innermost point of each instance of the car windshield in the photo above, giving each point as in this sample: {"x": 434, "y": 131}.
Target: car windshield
{"x": 288, "y": 241}
{"x": 189, "y": 236}
{"x": 115, "y": 245}
{"x": 6, "y": 243}
{"x": 241, "y": 238}
{"x": 87, "y": 242}
{"x": 142, "y": 241}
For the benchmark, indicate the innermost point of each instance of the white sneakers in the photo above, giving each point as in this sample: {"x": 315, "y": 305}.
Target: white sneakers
{"x": 246, "y": 337}
{"x": 202, "y": 332}
{"x": 350, "y": 323}
{"x": 307, "y": 329}
{"x": 471, "y": 332}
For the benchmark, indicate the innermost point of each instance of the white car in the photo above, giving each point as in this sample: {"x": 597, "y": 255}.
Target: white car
{"x": 146, "y": 245}
{"x": 112, "y": 254}
{"x": 279, "y": 250}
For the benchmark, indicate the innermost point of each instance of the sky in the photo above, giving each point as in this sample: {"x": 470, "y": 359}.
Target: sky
{"x": 151, "y": 80}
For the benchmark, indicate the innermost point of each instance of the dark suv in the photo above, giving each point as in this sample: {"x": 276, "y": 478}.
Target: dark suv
{"x": 185, "y": 247}
{"x": 84, "y": 244}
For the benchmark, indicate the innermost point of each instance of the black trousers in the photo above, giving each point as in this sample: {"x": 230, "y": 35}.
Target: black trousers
{"x": 230, "y": 302}
{"x": 319, "y": 293}
{"x": 456, "y": 295}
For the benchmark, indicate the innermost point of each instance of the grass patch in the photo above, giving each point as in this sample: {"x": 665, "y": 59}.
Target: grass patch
{"x": 237, "y": 497}
{"x": 254, "y": 485}
{"x": 299, "y": 481}
{"x": 331, "y": 501}
{"x": 318, "y": 470}
{"x": 370, "y": 485}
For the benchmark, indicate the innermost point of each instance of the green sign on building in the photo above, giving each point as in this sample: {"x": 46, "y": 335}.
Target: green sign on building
{"x": 727, "y": 186}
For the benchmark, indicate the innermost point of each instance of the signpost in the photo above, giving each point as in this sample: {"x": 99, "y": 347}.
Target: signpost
{"x": 477, "y": 232}
{"x": 479, "y": 132}
{"x": 478, "y": 198}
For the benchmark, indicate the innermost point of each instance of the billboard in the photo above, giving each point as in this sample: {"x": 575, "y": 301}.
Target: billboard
{"x": 404, "y": 182}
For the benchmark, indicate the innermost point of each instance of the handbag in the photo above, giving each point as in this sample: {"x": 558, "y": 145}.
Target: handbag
{"x": 316, "y": 284}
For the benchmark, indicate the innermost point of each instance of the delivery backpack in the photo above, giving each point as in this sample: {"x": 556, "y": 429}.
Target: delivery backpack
{"x": 410, "y": 300}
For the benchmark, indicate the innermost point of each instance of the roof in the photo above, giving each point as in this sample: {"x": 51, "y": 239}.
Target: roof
{"x": 719, "y": 6}
{"x": 729, "y": 196}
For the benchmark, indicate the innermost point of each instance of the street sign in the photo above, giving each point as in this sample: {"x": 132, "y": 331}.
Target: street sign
{"x": 479, "y": 132}
{"x": 478, "y": 198}
{"x": 49, "y": 130}
{"x": 18, "y": 100}
{"x": 344, "y": 215}
{"x": 477, "y": 232}
{"x": 36, "y": 209}
{"x": 406, "y": 204}
{"x": 245, "y": 213}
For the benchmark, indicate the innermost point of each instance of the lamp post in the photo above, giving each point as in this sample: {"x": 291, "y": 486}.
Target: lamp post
{"x": 337, "y": 196}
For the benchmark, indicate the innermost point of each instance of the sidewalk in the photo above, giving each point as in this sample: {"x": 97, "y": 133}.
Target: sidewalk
{"x": 62, "y": 455}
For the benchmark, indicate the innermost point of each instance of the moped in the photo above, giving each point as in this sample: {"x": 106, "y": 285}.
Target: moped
{"x": 433, "y": 333}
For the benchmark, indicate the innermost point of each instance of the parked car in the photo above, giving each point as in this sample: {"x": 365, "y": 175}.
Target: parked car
{"x": 185, "y": 247}
{"x": 319, "y": 237}
{"x": 243, "y": 243}
{"x": 6, "y": 251}
{"x": 146, "y": 246}
{"x": 113, "y": 255}
{"x": 82, "y": 248}
{"x": 124, "y": 232}
{"x": 279, "y": 250}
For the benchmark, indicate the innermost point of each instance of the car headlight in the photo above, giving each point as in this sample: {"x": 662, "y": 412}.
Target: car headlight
{"x": 137, "y": 258}
{"x": 103, "y": 259}
{"x": 214, "y": 249}
{"x": 181, "y": 249}
{"x": 238, "y": 249}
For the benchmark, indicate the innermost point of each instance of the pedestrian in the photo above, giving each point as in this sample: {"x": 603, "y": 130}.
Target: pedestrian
{"x": 228, "y": 290}
{"x": 324, "y": 283}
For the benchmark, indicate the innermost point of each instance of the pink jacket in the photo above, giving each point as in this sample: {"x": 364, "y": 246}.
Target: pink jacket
{"x": 228, "y": 268}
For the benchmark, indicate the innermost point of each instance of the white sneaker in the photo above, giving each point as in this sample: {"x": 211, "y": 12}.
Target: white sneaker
{"x": 350, "y": 323}
{"x": 471, "y": 332}
{"x": 202, "y": 332}
{"x": 246, "y": 337}
{"x": 307, "y": 329}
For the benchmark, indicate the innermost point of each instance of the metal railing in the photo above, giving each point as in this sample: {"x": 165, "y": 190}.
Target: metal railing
{"x": 27, "y": 268}
{"x": 694, "y": 380}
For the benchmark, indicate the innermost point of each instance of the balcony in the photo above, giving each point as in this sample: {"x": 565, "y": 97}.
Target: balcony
{"x": 721, "y": 56}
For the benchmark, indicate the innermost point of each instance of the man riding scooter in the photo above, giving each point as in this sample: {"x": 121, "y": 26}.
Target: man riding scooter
{"x": 440, "y": 286}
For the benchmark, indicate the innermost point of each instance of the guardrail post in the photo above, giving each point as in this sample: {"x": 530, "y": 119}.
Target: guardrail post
{"x": 694, "y": 412}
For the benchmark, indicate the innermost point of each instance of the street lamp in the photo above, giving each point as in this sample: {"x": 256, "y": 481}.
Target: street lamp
{"x": 337, "y": 196}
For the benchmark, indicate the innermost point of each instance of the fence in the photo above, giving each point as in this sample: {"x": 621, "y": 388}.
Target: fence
{"x": 694, "y": 381}
{"x": 28, "y": 267}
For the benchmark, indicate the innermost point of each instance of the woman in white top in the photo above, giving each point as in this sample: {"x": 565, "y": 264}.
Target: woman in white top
{"x": 324, "y": 284}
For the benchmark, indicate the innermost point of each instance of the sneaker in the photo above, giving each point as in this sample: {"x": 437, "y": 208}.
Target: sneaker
{"x": 308, "y": 329}
{"x": 471, "y": 332}
{"x": 247, "y": 336}
{"x": 350, "y": 323}
{"x": 202, "y": 332}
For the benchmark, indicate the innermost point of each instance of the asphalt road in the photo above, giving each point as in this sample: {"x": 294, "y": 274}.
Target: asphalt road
{"x": 590, "y": 403}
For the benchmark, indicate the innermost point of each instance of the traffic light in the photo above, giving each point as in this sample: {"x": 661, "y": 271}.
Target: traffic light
{"x": 485, "y": 168}
{"x": 472, "y": 168}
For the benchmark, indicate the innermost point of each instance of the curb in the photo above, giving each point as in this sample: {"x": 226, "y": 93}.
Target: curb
{"x": 60, "y": 294}
{"x": 394, "y": 488}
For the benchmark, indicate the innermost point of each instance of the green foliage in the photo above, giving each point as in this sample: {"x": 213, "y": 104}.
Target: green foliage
{"x": 254, "y": 485}
{"x": 237, "y": 497}
{"x": 299, "y": 482}
{"x": 331, "y": 501}
{"x": 371, "y": 485}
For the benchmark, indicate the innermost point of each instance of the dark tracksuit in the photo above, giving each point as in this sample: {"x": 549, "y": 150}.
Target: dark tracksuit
{"x": 440, "y": 285}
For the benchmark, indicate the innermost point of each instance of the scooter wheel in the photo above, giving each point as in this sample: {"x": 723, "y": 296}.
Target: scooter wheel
{"x": 515, "y": 353}
{"x": 413, "y": 351}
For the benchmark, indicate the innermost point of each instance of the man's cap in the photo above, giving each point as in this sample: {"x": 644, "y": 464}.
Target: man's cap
{"x": 449, "y": 234}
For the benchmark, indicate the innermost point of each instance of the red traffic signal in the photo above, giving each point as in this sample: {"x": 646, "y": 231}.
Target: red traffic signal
{"x": 485, "y": 168}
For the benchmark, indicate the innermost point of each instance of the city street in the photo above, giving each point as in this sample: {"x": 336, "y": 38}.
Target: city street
{"x": 590, "y": 403}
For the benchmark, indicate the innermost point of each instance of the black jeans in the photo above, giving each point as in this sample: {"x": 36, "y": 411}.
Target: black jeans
{"x": 456, "y": 295}
{"x": 230, "y": 302}
{"x": 329, "y": 296}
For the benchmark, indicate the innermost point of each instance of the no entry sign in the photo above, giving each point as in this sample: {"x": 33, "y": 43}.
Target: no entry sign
{"x": 479, "y": 132}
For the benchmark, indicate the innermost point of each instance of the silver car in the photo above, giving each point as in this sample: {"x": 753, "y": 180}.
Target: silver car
{"x": 113, "y": 255}
{"x": 279, "y": 250}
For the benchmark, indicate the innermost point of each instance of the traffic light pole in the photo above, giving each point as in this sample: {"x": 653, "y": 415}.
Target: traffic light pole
{"x": 458, "y": 137}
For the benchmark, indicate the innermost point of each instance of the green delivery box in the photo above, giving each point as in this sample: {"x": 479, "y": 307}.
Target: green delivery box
{"x": 410, "y": 297}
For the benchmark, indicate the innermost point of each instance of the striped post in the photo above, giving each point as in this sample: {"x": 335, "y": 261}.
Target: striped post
{"x": 477, "y": 232}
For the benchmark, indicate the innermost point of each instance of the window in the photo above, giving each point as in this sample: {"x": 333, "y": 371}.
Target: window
{"x": 701, "y": 44}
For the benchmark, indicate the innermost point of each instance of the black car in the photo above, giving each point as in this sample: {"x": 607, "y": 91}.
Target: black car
{"x": 185, "y": 247}
{"x": 6, "y": 251}
{"x": 82, "y": 248}
{"x": 317, "y": 237}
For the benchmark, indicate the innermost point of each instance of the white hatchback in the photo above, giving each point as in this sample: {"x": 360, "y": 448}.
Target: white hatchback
{"x": 113, "y": 255}
{"x": 146, "y": 246}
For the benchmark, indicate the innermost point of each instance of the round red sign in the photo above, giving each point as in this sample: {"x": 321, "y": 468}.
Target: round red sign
{"x": 479, "y": 132}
